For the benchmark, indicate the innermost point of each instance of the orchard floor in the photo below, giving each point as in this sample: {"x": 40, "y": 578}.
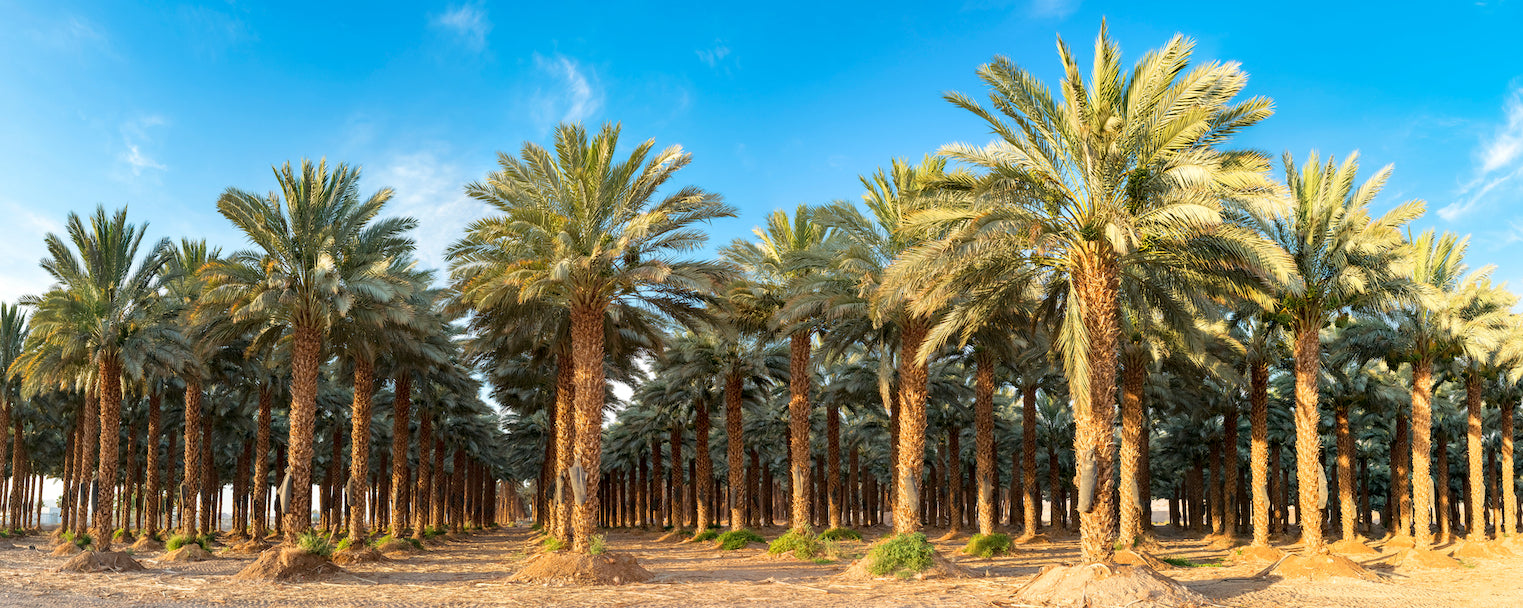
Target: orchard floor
{"x": 471, "y": 571}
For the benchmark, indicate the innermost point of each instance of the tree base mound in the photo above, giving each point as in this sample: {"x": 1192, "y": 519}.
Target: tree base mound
{"x": 359, "y": 555}
{"x": 1107, "y": 584}
{"x": 190, "y": 552}
{"x": 1474, "y": 550}
{"x": 397, "y": 546}
{"x": 671, "y": 536}
{"x": 1035, "y": 539}
{"x": 1223, "y": 542}
{"x": 569, "y": 568}
{"x": 66, "y": 549}
{"x": 950, "y": 536}
{"x": 101, "y": 561}
{"x": 287, "y": 565}
{"x": 147, "y": 545}
{"x": 1427, "y": 559}
{"x": 1138, "y": 557}
{"x": 941, "y": 568}
{"x": 1352, "y": 546}
{"x": 1321, "y": 567}
{"x": 1401, "y": 541}
{"x": 1258, "y": 553}
{"x": 249, "y": 547}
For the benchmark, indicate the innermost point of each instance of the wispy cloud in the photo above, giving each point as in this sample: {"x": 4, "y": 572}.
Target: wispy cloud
{"x": 469, "y": 23}
{"x": 432, "y": 191}
{"x": 135, "y": 135}
{"x": 573, "y": 95}
{"x": 714, "y": 56}
{"x": 22, "y": 248}
{"x": 1056, "y": 9}
{"x": 1499, "y": 161}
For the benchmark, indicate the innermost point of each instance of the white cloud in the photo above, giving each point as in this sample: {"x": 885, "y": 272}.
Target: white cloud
{"x": 713, "y": 56}
{"x": 574, "y": 96}
{"x": 1053, "y": 8}
{"x": 431, "y": 191}
{"x": 22, "y": 249}
{"x": 469, "y": 22}
{"x": 1499, "y": 160}
{"x": 139, "y": 161}
{"x": 135, "y": 135}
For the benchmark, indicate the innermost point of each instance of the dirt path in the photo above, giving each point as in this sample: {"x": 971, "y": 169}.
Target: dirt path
{"x": 470, "y": 571}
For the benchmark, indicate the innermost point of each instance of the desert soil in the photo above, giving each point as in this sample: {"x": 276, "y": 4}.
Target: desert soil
{"x": 472, "y": 571}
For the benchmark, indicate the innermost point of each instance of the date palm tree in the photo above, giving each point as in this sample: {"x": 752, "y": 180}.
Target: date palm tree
{"x": 318, "y": 246}
{"x": 1347, "y": 261}
{"x": 1123, "y": 173}
{"x": 13, "y": 333}
{"x": 583, "y": 227}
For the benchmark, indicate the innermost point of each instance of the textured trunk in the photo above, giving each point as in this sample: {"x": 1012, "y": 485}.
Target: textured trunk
{"x": 658, "y": 489}
{"x": 436, "y": 486}
{"x": 1422, "y": 428}
{"x": 262, "y": 463}
{"x": 1054, "y": 488}
{"x": 359, "y": 444}
{"x": 565, "y": 442}
{"x": 1308, "y": 352}
{"x": 1028, "y": 460}
{"x": 674, "y": 503}
{"x": 1346, "y": 474}
{"x": 190, "y": 491}
{"x": 110, "y": 430}
{"x": 799, "y": 382}
{"x": 705, "y": 475}
{"x": 7, "y": 483}
{"x": 587, "y": 363}
{"x": 304, "y": 363}
{"x": 1509, "y": 493}
{"x": 1476, "y": 501}
{"x": 1258, "y": 422}
{"x": 425, "y": 472}
{"x": 833, "y": 465}
{"x": 1445, "y": 532}
{"x": 1133, "y": 378}
{"x": 151, "y": 493}
{"x": 983, "y": 437}
{"x": 89, "y": 449}
{"x": 1229, "y": 465}
{"x": 954, "y": 479}
{"x": 735, "y": 451}
{"x": 400, "y": 433}
{"x": 1096, "y": 284}
{"x": 1401, "y": 469}
{"x": 913, "y": 377}
{"x": 209, "y": 489}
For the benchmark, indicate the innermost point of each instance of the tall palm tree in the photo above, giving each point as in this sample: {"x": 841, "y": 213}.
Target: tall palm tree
{"x": 1486, "y": 351}
{"x": 104, "y": 293}
{"x": 318, "y": 246}
{"x": 583, "y": 228}
{"x": 13, "y": 333}
{"x": 1122, "y": 172}
{"x": 1347, "y": 260}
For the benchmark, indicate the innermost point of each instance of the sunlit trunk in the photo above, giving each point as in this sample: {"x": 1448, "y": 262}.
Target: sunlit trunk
{"x": 1096, "y": 284}
{"x": 983, "y": 436}
{"x": 190, "y": 490}
{"x": 304, "y": 368}
{"x": 587, "y": 360}
{"x": 1422, "y": 428}
{"x": 1346, "y": 504}
{"x": 565, "y": 442}
{"x": 359, "y": 444}
{"x": 799, "y": 382}
{"x": 1258, "y": 421}
{"x": 1477, "y": 498}
{"x": 1509, "y": 485}
{"x": 913, "y": 377}
{"x": 735, "y": 454}
{"x": 1133, "y": 378}
{"x": 426, "y": 471}
{"x": 110, "y": 429}
{"x": 151, "y": 469}
{"x": 1308, "y": 352}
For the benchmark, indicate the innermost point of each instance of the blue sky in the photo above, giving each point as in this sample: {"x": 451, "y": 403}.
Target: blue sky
{"x": 162, "y": 106}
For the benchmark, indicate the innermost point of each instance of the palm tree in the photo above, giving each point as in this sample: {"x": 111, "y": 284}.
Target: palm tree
{"x": 583, "y": 228}
{"x": 1087, "y": 188}
{"x": 1347, "y": 261}
{"x": 1486, "y": 351}
{"x": 13, "y": 333}
{"x": 319, "y": 247}
{"x": 103, "y": 296}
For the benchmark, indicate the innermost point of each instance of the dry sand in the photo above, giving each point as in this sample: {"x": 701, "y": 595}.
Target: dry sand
{"x": 474, "y": 571}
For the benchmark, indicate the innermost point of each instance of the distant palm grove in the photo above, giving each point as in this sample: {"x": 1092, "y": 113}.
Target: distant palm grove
{"x": 1106, "y": 305}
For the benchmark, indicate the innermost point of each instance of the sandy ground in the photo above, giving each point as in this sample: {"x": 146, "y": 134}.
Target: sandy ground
{"x": 471, "y": 571}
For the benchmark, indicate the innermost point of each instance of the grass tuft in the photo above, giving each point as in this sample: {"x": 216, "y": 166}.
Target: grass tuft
{"x": 553, "y": 544}
{"x": 738, "y": 539}
{"x": 597, "y": 544}
{"x": 903, "y": 556}
{"x": 82, "y": 540}
{"x": 315, "y": 543}
{"x": 705, "y": 535}
{"x": 802, "y": 545}
{"x": 839, "y": 534}
{"x": 988, "y": 545}
{"x": 1181, "y": 562}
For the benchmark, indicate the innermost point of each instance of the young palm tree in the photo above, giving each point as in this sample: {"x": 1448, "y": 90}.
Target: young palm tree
{"x": 1085, "y": 189}
{"x": 1486, "y": 351}
{"x": 1347, "y": 261}
{"x": 101, "y": 305}
{"x": 13, "y": 333}
{"x": 583, "y": 228}
{"x": 319, "y": 247}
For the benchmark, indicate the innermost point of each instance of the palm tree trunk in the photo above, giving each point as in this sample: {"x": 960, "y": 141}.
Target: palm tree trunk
{"x": 1054, "y": 488}
{"x": 1133, "y": 377}
{"x": 6, "y": 483}
{"x": 151, "y": 494}
{"x": 1308, "y": 352}
{"x": 1346, "y": 504}
{"x": 913, "y": 377}
{"x": 587, "y": 358}
{"x": 735, "y": 453}
{"x": 262, "y": 463}
{"x": 425, "y": 471}
{"x": 799, "y": 382}
{"x": 705, "y": 463}
{"x": 1509, "y": 486}
{"x": 1095, "y": 409}
{"x": 674, "y": 503}
{"x": 1258, "y": 421}
{"x": 565, "y": 442}
{"x": 1028, "y": 460}
{"x": 1445, "y": 522}
{"x": 983, "y": 437}
{"x": 190, "y": 491}
{"x": 400, "y": 434}
{"x": 1401, "y": 470}
{"x": 359, "y": 444}
{"x": 833, "y": 465}
{"x": 303, "y": 416}
{"x": 89, "y": 449}
{"x": 1477, "y": 498}
{"x": 1422, "y": 449}
{"x": 110, "y": 429}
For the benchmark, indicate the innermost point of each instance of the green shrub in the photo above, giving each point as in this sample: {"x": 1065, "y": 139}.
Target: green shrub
{"x": 180, "y": 540}
{"x": 119, "y": 534}
{"x": 597, "y": 544}
{"x": 551, "y": 543}
{"x": 987, "y": 546}
{"x": 83, "y": 540}
{"x": 738, "y": 539}
{"x": 802, "y": 545}
{"x": 705, "y": 536}
{"x": 1181, "y": 562}
{"x": 343, "y": 545}
{"x": 315, "y": 543}
{"x": 840, "y": 534}
{"x": 903, "y": 556}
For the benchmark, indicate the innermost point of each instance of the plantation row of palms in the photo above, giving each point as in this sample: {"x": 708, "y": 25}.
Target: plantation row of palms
{"x": 1106, "y": 304}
